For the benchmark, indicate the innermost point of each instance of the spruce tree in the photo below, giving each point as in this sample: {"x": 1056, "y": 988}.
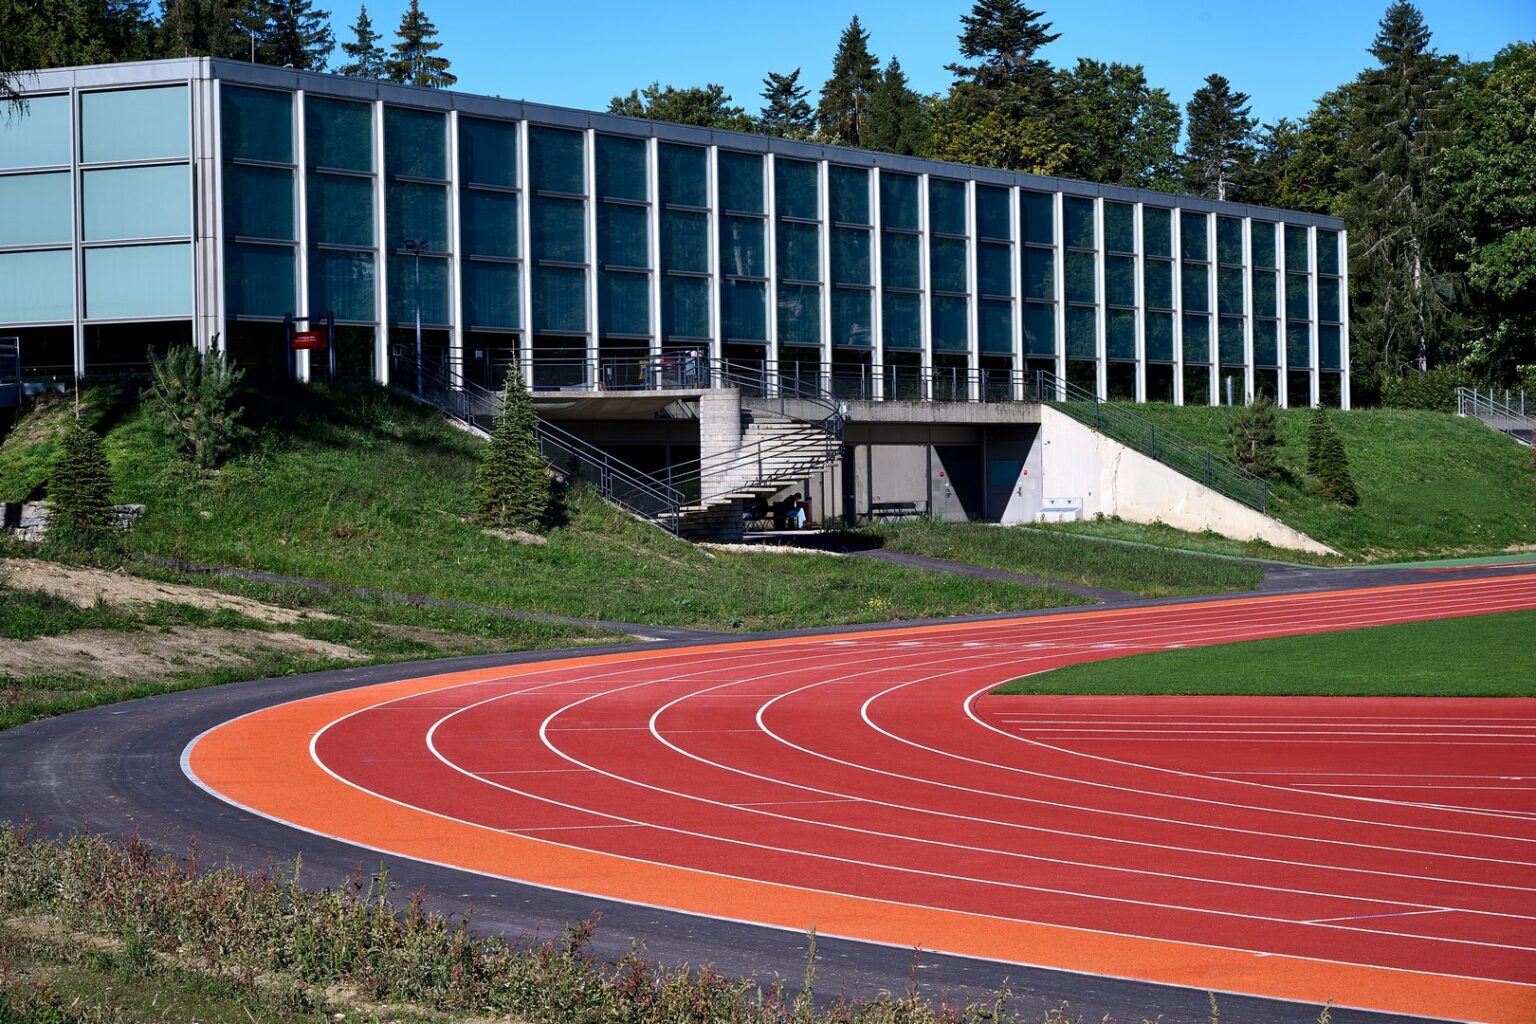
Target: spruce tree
{"x": 234, "y": 29}
{"x": 296, "y": 35}
{"x": 843, "y": 113}
{"x": 1003, "y": 38}
{"x": 79, "y": 490}
{"x": 1333, "y": 480}
{"x": 414, "y": 61}
{"x": 898, "y": 121}
{"x": 1402, "y": 117}
{"x": 1254, "y": 433}
{"x": 785, "y": 110}
{"x": 1317, "y": 428}
{"x": 366, "y": 58}
{"x": 513, "y": 485}
{"x": 1221, "y": 140}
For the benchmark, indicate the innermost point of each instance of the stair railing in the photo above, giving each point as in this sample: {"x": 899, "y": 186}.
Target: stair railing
{"x": 1499, "y": 415}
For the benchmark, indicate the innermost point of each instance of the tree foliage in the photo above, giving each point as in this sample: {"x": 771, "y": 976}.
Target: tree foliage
{"x": 786, "y": 112}
{"x": 365, "y": 57}
{"x": 297, "y": 35}
{"x": 898, "y": 118}
{"x": 1121, "y": 130}
{"x": 1003, "y": 38}
{"x": 1254, "y": 434}
{"x": 414, "y": 60}
{"x": 1328, "y": 462}
{"x": 1304, "y": 165}
{"x": 194, "y": 398}
{"x": 512, "y": 488}
{"x": 80, "y": 490}
{"x": 707, "y": 107}
{"x": 1220, "y": 151}
{"x": 959, "y": 131}
{"x": 843, "y": 113}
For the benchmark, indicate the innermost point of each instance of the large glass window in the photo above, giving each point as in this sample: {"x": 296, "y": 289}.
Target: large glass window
{"x": 492, "y": 294}
{"x": 143, "y": 281}
{"x": 489, "y": 223}
{"x": 560, "y": 299}
{"x": 340, "y": 209}
{"x": 431, "y": 288}
{"x": 798, "y": 241}
{"x": 684, "y": 175}
{"x": 37, "y": 286}
{"x": 685, "y": 307}
{"x": 624, "y": 303}
{"x": 621, "y": 172}
{"x": 1297, "y": 250}
{"x": 946, "y": 207}
{"x": 994, "y": 216}
{"x": 901, "y": 318}
{"x": 1194, "y": 243}
{"x": 623, "y": 235}
{"x": 1119, "y": 227}
{"x": 949, "y": 272}
{"x": 135, "y": 124}
{"x": 37, "y": 209}
{"x": 849, "y": 195}
{"x": 744, "y": 310}
{"x": 417, "y": 212}
{"x": 415, "y": 144}
{"x": 901, "y": 261}
{"x": 258, "y": 202}
{"x": 899, "y": 202}
{"x": 257, "y": 124}
{"x": 685, "y": 241}
{"x": 685, "y": 246}
{"x": 1157, "y": 231}
{"x": 338, "y": 134}
{"x": 37, "y": 136}
{"x": 741, "y": 182}
{"x": 799, "y": 251}
{"x": 487, "y": 152}
{"x": 795, "y": 189}
{"x": 1037, "y": 210}
{"x": 743, "y": 247}
{"x": 341, "y": 282}
{"x": 1077, "y": 222}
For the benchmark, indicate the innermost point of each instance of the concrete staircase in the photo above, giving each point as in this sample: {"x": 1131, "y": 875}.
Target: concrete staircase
{"x": 1498, "y": 414}
{"x": 750, "y": 449}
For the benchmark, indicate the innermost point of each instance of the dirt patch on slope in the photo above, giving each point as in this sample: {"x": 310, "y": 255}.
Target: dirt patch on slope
{"x": 108, "y": 653}
{"x": 84, "y": 587}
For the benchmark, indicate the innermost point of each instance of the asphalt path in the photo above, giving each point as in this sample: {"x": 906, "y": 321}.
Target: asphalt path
{"x": 115, "y": 770}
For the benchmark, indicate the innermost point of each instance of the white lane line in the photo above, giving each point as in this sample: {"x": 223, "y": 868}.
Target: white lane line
{"x": 1372, "y": 917}
{"x": 1356, "y": 785}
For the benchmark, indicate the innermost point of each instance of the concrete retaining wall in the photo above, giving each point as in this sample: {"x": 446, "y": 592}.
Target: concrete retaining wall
{"x": 1113, "y": 480}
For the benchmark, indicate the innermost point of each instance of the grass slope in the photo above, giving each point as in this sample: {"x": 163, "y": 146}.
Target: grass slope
{"x": 1430, "y": 483}
{"x": 1144, "y": 571}
{"x": 1478, "y": 656}
{"x": 365, "y": 489}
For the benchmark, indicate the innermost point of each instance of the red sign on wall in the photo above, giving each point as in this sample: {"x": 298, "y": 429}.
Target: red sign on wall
{"x": 304, "y": 340}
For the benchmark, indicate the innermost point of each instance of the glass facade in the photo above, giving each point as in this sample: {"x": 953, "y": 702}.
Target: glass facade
{"x": 549, "y": 237}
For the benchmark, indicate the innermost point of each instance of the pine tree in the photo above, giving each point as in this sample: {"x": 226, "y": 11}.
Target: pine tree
{"x": 1333, "y": 480}
{"x": 786, "y": 112}
{"x": 1317, "y": 428}
{"x": 213, "y": 28}
{"x": 1396, "y": 217}
{"x": 296, "y": 35}
{"x": 843, "y": 113}
{"x": 898, "y": 121}
{"x": 513, "y": 485}
{"x": 1221, "y": 140}
{"x": 194, "y": 397}
{"x": 414, "y": 61}
{"x": 1003, "y": 37}
{"x": 1254, "y": 433}
{"x": 367, "y": 57}
{"x": 79, "y": 490}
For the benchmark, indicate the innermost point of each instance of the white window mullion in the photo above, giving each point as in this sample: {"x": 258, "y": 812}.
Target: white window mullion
{"x": 877, "y": 296}
{"x": 1176, "y": 223}
{"x": 1140, "y": 242}
{"x": 1343, "y": 319}
{"x": 381, "y": 239}
{"x": 925, "y": 282}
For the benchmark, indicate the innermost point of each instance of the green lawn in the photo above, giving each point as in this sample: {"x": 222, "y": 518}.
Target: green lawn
{"x": 1058, "y": 555}
{"x": 1478, "y": 656}
{"x": 366, "y": 489}
{"x": 1161, "y": 535}
{"x": 1430, "y": 483}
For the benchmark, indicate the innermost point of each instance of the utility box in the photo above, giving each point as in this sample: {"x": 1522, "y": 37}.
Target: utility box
{"x": 1061, "y": 510}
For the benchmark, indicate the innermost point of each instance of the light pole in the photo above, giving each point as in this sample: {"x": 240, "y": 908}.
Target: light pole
{"x": 416, "y": 246}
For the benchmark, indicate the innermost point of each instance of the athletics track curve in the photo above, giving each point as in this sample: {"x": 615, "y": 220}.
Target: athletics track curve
{"x": 866, "y": 784}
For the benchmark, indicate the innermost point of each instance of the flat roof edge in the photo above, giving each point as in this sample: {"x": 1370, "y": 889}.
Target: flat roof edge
{"x": 183, "y": 68}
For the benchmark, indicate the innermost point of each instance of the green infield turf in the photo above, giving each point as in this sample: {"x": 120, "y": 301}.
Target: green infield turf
{"x": 1479, "y": 656}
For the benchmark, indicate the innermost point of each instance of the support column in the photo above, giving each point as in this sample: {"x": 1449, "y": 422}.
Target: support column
{"x": 381, "y": 237}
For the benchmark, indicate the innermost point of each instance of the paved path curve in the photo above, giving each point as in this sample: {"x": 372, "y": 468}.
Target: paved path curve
{"x": 1010, "y": 840}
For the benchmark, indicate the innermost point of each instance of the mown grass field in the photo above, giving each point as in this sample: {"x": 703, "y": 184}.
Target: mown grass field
{"x": 1161, "y": 535}
{"x": 362, "y": 488}
{"x": 1477, "y": 656}
{"x": 1060, "y": 555}
{"x": 1430, "y": 483}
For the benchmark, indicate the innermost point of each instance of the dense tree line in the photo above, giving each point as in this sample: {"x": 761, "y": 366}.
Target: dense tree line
{"x": 37, "y": 34}
{"x": 1431, "y": 161}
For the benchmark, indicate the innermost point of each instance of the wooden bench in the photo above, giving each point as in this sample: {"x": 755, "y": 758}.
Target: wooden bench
{"x": 882, "y": 510}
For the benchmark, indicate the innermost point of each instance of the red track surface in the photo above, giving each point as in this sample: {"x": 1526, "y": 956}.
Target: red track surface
{"x": 1376, "y": 852}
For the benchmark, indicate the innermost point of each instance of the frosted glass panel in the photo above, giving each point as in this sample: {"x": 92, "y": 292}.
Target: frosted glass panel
{"x": 139, "y": 202}
{"x": 37, "y": 138}
{"x": 487, "y": 152}
{"x": 36, "y": 286}
{"x": 257, "y": 123}
{"x": 258, "y": 280}
{"x": 142, "y": 280}
{"x": 340, "y": 209}
{"x": 489, "y": 222}
{"x": 491, "y": 294}
{"x": 134, "y": 124}
{"x": 338, "y": 134}
{"x": 341, "y": 283}
{"x": 415, "y": 143}
{"x": 258, "y": 202}
{"x": 35, "y": 209}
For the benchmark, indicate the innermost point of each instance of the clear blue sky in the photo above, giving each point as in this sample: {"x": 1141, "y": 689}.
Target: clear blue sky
{"x": 579, "y": 53}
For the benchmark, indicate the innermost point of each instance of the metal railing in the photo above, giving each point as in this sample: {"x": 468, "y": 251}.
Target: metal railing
{"x": 10, "y": 373}
{"x": 1500, "y": 414}
{"x": 571, "y": 456}
{"x": 1158, "y": 443}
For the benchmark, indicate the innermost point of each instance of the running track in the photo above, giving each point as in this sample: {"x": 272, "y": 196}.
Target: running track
{"x": 1377, "y": 853}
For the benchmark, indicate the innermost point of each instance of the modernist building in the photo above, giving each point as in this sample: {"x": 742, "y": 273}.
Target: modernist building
{"x": 205, "y": 200}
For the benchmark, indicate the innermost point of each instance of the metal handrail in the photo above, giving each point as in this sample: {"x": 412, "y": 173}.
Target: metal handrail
{"x": 1157, "y": 443}
{"x": 1500, "y": 416}
{"x": 575, "y": 458}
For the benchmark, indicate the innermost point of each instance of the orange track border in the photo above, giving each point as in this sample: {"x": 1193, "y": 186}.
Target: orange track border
{"x": 262, "y": 763}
